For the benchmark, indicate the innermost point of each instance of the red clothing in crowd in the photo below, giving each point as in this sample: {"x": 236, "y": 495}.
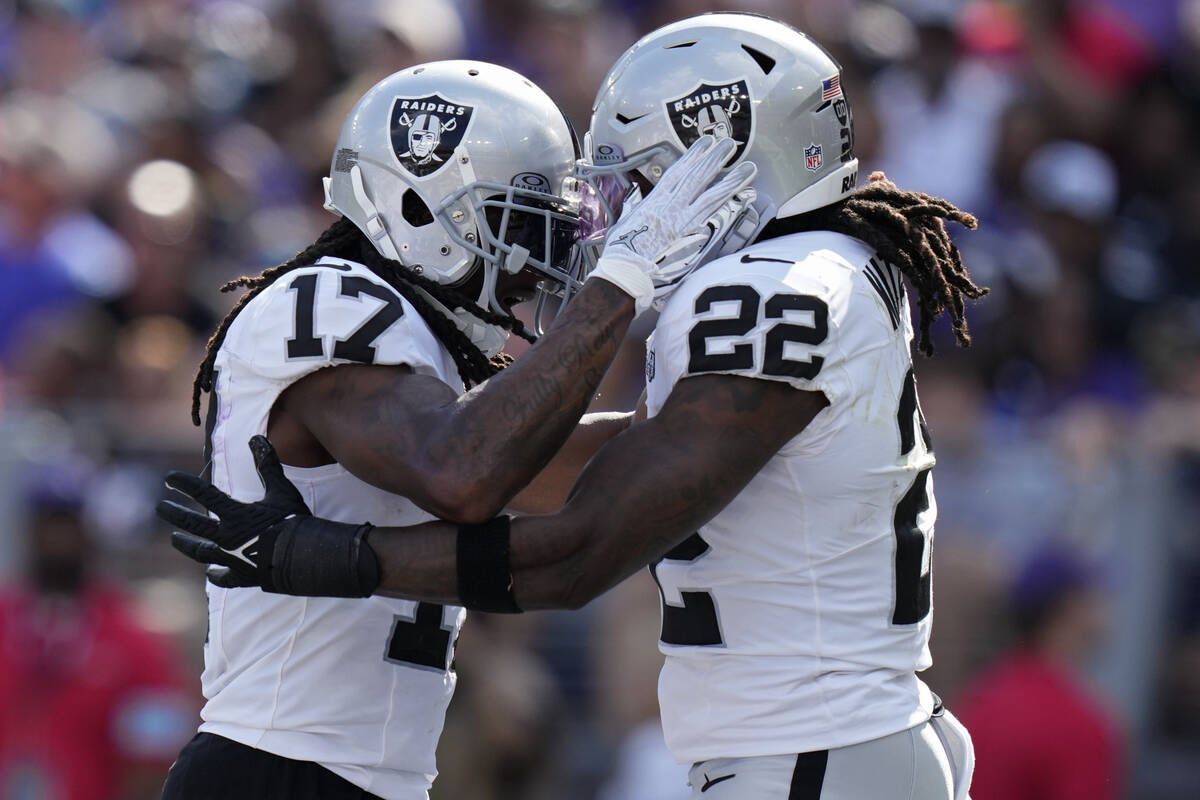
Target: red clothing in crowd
{"x": 1039, "y": 735}
{"x": 85, "y": 694}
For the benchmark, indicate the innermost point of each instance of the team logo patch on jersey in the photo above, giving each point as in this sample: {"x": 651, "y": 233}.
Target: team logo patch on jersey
{"x": 812, "y": 156}
{"x": 723, "y": 110}
{"x": 425, "y": 131}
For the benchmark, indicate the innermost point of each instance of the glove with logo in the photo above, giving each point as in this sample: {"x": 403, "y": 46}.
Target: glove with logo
{"x": 678, "y": 207}
{"x": 274, "y": 543}
{"x": 728, "y": 229}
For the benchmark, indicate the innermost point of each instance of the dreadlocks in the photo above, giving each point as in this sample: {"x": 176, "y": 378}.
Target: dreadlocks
{"x": 343, "y": 240}
{"x": 908, "y": 230}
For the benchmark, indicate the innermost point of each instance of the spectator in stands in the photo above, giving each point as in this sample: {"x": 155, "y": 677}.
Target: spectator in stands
{"x": 1038, "y": 731}
{"x": 91, "y": 705}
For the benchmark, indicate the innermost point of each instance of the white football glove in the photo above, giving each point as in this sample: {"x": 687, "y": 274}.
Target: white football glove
{"x": 727, "y": 230}
{"x": 677, "y": 208}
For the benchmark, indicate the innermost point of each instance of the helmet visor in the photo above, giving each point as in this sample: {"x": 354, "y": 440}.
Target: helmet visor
{"x": 601, "y": 201}
{"x": 611, "y": 182}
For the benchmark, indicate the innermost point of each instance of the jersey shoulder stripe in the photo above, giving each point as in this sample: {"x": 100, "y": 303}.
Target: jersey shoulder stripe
{"x": 885, "y": 280}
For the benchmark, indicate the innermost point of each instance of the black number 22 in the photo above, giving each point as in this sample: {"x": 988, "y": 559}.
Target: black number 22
{"x": 695, "y": 622}
{"x": 360, "y": 344}
{"x": 914, "y": 571}
{"x": 741, "y": 357}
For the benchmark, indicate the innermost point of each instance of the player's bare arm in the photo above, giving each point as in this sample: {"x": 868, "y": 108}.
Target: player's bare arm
{"x": 644, "y": 492}
{"x": 463, "y": 458}
{"x": 460, "y": 457}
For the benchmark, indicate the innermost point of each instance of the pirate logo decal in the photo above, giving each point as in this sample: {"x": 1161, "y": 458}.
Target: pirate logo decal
{"x": 425, "y": 131}
{"x": 723, "y": 110}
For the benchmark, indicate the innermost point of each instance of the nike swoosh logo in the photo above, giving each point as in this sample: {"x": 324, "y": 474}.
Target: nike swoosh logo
{"x": 709, "y": 784}
{"x": 746, "y": 259}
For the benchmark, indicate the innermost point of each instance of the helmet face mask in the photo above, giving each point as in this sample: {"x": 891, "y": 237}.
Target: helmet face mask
{"x": 454, "y": 167}
{"x": 521, "y": 228}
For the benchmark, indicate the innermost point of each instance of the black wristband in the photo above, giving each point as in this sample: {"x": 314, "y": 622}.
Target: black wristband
{"x": 484, "y": 571}
{"x": 318, "y": 558}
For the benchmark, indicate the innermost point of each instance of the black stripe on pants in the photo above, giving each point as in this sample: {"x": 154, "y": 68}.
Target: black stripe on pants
{"x": 809, "y": 775}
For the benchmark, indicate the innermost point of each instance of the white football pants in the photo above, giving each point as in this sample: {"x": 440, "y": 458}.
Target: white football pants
{"x": 931, "y": 761}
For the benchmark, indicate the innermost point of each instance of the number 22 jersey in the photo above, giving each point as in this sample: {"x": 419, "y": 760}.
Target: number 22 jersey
{"x": 358, "y": 686}
{"x": 797, "y": 618}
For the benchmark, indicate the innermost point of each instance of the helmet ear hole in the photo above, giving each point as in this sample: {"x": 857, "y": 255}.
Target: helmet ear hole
{"x": 414, "y": 210}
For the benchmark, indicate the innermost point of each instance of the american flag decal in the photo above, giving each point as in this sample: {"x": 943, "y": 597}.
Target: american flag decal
{"x": 831, "y": 88}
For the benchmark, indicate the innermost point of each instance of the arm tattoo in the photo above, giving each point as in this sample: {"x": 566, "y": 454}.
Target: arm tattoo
{"x": 643, "y": 493}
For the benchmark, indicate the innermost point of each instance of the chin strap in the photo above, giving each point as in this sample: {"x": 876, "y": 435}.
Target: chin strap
{"x": 490, "y": 339}
{"x": 375, "y": 229}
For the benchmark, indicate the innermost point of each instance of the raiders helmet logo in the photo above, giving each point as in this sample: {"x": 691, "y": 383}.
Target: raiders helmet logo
{"x": 425, "y": 131}
{"x": 724, "y": 111}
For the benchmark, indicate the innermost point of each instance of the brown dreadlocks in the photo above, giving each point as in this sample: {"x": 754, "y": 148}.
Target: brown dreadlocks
{"x": 908, "y": 230}
{"x": 343, "y": 240}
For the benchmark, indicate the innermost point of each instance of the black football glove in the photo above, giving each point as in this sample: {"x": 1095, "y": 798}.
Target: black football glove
{"x": 274, "y": 543}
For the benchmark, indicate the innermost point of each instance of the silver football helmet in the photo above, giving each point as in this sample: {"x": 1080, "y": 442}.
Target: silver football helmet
{"x": 769, "y": 87}
{"x": 454, "y": 165}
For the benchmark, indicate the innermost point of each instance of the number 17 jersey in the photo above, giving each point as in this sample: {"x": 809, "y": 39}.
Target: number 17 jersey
{"x": 359, "y": 686}
{"x": 797, "y": 618}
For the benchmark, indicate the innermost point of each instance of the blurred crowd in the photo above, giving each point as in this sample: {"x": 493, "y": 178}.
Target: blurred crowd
{"x": 150, "y": 150}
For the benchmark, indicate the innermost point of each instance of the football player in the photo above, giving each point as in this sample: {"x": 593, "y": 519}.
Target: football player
{"x": 454, "y": 182}
{"x": 781, "y": 485}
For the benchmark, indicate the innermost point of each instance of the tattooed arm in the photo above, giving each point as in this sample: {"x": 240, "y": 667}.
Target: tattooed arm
{"x": 643, "y": 493}
{"x": 459, "y": 457}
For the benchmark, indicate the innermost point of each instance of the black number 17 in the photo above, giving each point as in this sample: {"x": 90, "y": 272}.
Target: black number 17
{"x": 359, "y": 346}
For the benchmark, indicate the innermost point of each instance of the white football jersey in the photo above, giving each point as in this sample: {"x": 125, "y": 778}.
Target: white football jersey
{"x": 797, "y": 618}
{"x": 358, "y": 686}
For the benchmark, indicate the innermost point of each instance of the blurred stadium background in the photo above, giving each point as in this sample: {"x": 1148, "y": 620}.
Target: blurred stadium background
{"x": 152, "y": 149}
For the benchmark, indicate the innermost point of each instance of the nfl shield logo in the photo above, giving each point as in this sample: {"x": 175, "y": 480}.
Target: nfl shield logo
{"x": 812, "y": 156}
